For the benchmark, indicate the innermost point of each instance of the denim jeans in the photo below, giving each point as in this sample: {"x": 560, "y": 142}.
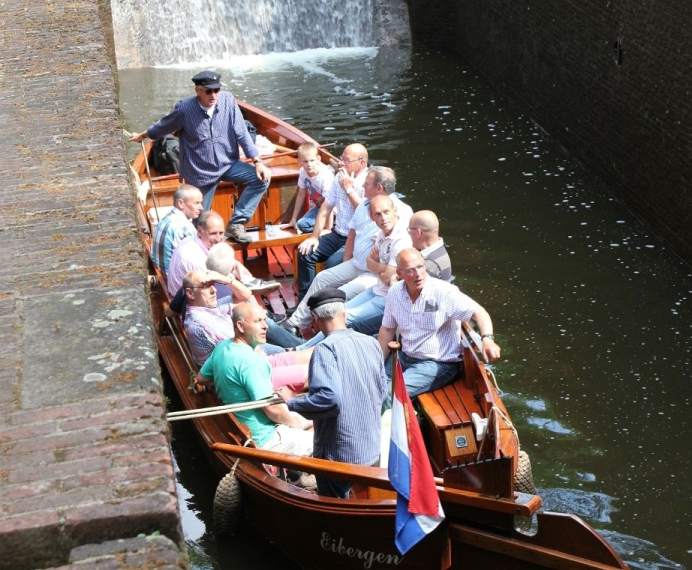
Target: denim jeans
{"x": 307, "y": 223}
{"x": 421, "y": 375}
{"x": 328, "y": 244}
{"x": 253, "y": 189}
{"x": 279, "y": 336}
{"x": 363, "y": 314}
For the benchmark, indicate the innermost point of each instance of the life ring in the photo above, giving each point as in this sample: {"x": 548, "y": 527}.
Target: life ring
{"x": 523, "y": 477}
{"x": 227, "y": 504}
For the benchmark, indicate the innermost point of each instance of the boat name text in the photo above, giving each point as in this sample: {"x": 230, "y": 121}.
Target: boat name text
{"x": 336, "y": 546}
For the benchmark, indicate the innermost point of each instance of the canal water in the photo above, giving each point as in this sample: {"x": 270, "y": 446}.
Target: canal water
{"x": 593, "y": 312}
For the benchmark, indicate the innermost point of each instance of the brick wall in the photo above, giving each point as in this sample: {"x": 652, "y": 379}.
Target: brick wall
{"x": 612, "y": 81}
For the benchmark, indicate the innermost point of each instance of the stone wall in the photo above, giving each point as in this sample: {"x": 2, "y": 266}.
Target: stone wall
{"x": 610, "y": 80}
{"x": 86, "y": 475}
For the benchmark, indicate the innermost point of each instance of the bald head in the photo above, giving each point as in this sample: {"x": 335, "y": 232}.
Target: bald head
{"x": 408, "y": 255}
{"x": 424, "y": 228}
{"x": 383, "y": 213}
{"x": 410, "y": 268}
{"x": 354, "y": 158}
{"x": 250, "y": 323}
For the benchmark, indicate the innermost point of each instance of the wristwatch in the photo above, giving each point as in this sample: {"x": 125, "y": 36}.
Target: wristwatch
{"x": 490, "y": 336}
{"x": 256, "y": 160}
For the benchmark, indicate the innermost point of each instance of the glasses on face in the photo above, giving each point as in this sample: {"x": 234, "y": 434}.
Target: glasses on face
{"x": 345, "y": 161}
{"x": 210, "y": 91}
{"x": 204, "y": 285}
{"x": 413, "y": 270}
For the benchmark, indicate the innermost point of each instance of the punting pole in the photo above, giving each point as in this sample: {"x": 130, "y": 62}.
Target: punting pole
{"x": 151, "y": 183}
{"x": 217, "y": 410}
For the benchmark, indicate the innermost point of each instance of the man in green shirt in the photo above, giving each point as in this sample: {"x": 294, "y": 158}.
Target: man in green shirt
{"x": 242, "y": 374}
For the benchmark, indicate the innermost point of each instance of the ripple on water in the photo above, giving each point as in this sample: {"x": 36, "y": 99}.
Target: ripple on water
{"x": 639, "y": 554}
{"x": 553, "y": 426}
{"x": 593, "y": 506}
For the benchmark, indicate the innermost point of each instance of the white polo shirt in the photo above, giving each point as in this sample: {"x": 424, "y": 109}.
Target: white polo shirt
{"x": 336, "y": 196}
{"x": 429, "y": 326}
{"x": 388, "y": 247}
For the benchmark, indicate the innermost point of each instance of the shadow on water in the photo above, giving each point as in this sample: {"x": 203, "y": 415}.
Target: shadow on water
{"x": 591, "y": 309}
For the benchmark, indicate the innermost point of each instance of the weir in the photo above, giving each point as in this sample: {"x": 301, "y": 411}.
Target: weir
{"x": 166, "y": 32}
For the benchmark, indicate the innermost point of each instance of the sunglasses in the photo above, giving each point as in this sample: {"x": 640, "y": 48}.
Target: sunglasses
{"x": 210, "y": 91}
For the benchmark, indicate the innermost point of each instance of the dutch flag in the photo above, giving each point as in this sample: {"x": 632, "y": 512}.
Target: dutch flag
{"x": 418, "y": 508}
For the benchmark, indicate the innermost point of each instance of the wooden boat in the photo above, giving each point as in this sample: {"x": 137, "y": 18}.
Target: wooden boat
{"x": 479, "y": 477}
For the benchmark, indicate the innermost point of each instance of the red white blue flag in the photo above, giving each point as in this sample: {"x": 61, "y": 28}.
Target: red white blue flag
{"x": 418, "y": 508}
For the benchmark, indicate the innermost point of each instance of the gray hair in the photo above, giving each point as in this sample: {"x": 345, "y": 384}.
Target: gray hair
{"x": 205, "y": 216}
{"x": 221, "y": 258}
{"x": 328, "y": 311}
{"x": 184, "y": 192}
{"x": 384, "y": 176}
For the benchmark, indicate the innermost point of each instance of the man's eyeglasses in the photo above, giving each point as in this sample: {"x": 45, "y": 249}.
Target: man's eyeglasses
{"x": 210, "y": 91}
{"x": 350, "y": 161}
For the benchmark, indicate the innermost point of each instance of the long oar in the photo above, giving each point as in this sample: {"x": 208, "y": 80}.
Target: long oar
{"x": 217, "y": 410}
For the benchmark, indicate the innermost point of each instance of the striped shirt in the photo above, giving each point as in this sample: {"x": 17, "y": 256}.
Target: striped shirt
{"x": 170, "y": 231}
{"x": 336, "y": 196}
{"x": 208, "y": 145}
{"x": 190, "y": 255}
{"x": 205, "y": 327}
{"x": 429, "y": 325}
{"x": 437, "y": 261}
{"x": 348, "y": 384}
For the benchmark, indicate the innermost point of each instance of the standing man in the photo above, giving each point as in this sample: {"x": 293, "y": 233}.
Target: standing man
{"x": 426, "y": 311}
{"x": 211, "y": 129}
{"x": 345, "y": 194}
{"x": 347, "y": 385}
{"x": 176, "y": 225}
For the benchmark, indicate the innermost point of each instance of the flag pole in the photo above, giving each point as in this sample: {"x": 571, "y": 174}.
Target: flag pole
{"x": 394, "y": 346}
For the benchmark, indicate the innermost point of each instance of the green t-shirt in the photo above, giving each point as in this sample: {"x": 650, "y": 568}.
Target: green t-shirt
{"x": 241, "y": 375}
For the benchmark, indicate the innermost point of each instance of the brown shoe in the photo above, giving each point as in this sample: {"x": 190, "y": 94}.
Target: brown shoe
{"x": 237, "y": 233}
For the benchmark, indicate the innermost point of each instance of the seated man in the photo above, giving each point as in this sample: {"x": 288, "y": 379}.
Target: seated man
{"x": 427, "y": 312}
{"x": 347, "y": 387}
{"x": 345, "y": 194}
{"x": 352, "y": 276}
{"x": 222, "y": 260}
{"x": 364, "y": 311}
{"x": 191, "y": 255}
{"x": 242, "y": 374}
{"x": 208, "y": 322}
{"x": 176, "y": 225}
{"x": 424, "y": 229}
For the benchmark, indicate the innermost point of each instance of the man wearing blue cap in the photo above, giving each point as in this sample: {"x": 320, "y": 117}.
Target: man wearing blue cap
{"x": 211, "y": 129}
{"x": 347, "y": 385}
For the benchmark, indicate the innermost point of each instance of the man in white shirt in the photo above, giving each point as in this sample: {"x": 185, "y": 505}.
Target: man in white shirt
{"x": 352, "y": 276}
{"x": 427, "y": 311}
{"x": 344, "y": 195}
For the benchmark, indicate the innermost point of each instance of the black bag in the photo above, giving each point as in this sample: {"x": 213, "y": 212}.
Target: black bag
{"x": 165, "y": 157}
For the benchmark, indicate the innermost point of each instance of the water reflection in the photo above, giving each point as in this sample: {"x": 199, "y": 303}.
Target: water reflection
{"x": 591, "y": 309}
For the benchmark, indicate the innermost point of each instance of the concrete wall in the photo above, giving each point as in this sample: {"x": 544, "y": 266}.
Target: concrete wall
{"x": 85, "y": 463}
{"x": 611, "y": 80}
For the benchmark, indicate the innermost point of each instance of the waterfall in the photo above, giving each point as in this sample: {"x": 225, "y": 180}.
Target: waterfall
{"x": 165, "y": 32}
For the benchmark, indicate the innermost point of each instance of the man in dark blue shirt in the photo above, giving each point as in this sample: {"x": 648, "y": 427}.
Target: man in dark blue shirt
{"x": 347, "y": 385}
{"x": 211, "y": 129}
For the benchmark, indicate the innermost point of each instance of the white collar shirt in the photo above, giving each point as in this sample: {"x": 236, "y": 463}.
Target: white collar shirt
{"x": 429, "y": 326}
{"x": 336, "y": 196}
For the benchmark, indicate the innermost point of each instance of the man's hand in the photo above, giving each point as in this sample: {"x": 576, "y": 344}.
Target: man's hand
{"x": 491, "y": 351}
{"x": 138, "y": 137}
{"x": 300, "y": 422}
{"x": 264, "y": 173}
{"x": 345, "y": 180}
{"x": 289, "y": 225}
{"x": 306, "y": 247}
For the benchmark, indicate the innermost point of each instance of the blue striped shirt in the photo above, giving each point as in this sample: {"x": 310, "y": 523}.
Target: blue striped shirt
{"x": 347, "y": 386}
{"x": 208, "y": 146}
{"x": 170, "y": 231}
